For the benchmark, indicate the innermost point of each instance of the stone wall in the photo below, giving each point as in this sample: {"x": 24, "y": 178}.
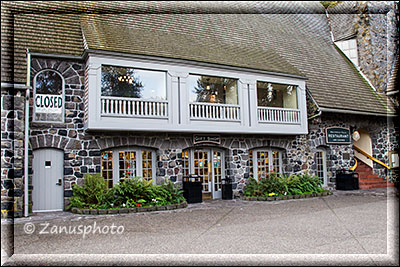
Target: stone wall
{"x": 375, "y": 26}
{"x": 12, "y": 151}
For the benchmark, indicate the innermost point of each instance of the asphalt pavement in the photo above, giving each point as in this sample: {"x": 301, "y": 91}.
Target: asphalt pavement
{"x": 346, "y": 228}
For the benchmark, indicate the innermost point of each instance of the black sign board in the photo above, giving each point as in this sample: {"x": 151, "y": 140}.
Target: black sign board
{"x": 338, "y": 135}
{"x": 198, "y": 139}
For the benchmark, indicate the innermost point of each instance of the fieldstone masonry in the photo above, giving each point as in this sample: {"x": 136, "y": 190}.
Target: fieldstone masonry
{"x": 82, "y": 149}
{"x": 12, "y": 151}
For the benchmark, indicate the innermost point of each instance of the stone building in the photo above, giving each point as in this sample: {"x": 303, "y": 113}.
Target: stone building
{"x": 161, "y": 90}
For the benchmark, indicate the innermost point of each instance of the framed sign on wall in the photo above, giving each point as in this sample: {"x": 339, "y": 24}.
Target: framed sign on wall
{"x": 199, "y": 139}
{"x": 337, "y": 135}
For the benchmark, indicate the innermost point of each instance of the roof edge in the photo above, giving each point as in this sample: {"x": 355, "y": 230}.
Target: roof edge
{"x": 357, "y": 112}
{"x": 185, "y": 61}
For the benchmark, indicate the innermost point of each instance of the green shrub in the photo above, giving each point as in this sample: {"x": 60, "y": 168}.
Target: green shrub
{"x": 128, "y": 193}
{"x": 175, "y": 192}
{"x": 252, "y": 188}
{"x": 93, "y": 193}
{"x": 281, "y": 184}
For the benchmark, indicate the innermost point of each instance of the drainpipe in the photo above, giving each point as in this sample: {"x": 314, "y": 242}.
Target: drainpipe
{"x": 26, "y": 143}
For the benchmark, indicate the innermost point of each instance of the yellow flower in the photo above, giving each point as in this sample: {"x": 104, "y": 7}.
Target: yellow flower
{"x": 271, "y": 194}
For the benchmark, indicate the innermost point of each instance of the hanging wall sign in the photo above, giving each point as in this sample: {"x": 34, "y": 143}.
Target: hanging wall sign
{"x": 48, "y": 103}
{"x": 338, "y": 135}
{"x": 214, "y": 139}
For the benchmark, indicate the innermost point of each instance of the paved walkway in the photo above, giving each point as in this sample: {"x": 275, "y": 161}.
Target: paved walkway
{"x": 348, "y": 227}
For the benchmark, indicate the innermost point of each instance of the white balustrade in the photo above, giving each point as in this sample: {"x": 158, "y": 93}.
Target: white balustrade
{"x": 210, "y": 111}
{"x": 278, "y": 115}
{"x": 133, "y": 107}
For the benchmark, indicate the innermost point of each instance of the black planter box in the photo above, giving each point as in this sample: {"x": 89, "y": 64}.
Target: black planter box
{"x": 346, "y": 180}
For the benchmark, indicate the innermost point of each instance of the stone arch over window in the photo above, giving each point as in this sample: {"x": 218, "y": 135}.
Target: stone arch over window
{"x": 48, "y": 96}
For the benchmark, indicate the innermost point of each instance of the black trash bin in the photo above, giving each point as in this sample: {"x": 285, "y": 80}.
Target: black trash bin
{"x": 227, "y": 188}
{"x": 346, "y": 180}
{"x": 192, "y": 188}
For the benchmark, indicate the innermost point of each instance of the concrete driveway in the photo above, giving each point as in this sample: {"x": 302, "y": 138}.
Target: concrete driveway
{"x": 341, "y": 229}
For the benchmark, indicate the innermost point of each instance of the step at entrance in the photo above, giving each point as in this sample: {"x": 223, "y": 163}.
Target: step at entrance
{"x": 367, "y": 179}
{"x": 207, "y": 195}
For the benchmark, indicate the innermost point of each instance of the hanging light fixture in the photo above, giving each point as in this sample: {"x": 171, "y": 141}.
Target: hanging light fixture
{"x": 289, "y": 89}
{"x": 269, "y": 92}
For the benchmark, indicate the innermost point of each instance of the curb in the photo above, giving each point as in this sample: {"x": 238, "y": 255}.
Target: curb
{"x": 128, "y": 210}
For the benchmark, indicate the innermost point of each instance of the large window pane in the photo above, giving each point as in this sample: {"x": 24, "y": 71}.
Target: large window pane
{"x": 211, "y": 89}
{"x": 48, "y": 82}
{"x": 276, "y": 95}
{"x": 135, "y": 83}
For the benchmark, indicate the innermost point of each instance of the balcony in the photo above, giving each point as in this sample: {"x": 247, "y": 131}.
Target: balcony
{"x": 278, "y": 115}
{"x": 133, "y": 108}
{"x": 168, "y": 98}
{"x": 209, "y": 111}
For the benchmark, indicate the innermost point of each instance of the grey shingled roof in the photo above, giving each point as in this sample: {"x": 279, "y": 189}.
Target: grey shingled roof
{"x": 297, "y": 42}
{"x": 343, "y": 17}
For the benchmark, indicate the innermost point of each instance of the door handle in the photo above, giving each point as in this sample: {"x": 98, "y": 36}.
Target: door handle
{"x": 59, "y": 182}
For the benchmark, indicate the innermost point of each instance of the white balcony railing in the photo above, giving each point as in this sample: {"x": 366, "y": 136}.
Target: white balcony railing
{"x": 278, "y": 115}
{"x": 133, "y": 107}
{"x": 210, "y": 111}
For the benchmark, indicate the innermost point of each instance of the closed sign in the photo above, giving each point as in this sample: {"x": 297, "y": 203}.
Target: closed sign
{"x": 48, "y": 103}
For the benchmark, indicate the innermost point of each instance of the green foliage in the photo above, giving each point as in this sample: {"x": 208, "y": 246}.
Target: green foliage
{"x": 252, "y": 188}
{"x": 91, "y": 194}
{"x": 329, "y": 4}
{"x": 281, "y": 184}
{"x": 129, "y": 193}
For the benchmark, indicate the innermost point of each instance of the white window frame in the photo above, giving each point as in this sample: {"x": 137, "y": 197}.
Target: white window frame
{"x": 139, "y": 162}
{"x": 295, "y": 88}
{"x": 324, "y": 168}
{"x": 133, "y": 66}
{"x": 270, "y": 160}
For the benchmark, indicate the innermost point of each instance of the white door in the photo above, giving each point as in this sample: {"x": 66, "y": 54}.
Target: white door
{"x": 47, "y": 180}
{"x": 209, "y": 164}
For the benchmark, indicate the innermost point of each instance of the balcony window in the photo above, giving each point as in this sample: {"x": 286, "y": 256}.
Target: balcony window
{"x": 209, "y": 89}
{"x": 133, "y": 83}
{"x": 132, "y": 92}
{"x": 276, "y": 95}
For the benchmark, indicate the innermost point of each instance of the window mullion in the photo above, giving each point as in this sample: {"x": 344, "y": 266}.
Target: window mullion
{"x": 115, "y": 164}
{"x": 139, "y": 163}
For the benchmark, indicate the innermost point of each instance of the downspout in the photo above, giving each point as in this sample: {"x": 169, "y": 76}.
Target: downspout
{"x": 26, "y": 143}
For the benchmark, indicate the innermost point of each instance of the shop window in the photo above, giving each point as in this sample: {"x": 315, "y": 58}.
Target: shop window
{"x": 264, "y": 161}
{"x": 48, "y": 97}
{"x": 276, "y": 95}
{"x": 127, "y": 164}
{"x": 210, "y": 89}
{"x": 320, "y": 164}
{"x": 133, "y": 83}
